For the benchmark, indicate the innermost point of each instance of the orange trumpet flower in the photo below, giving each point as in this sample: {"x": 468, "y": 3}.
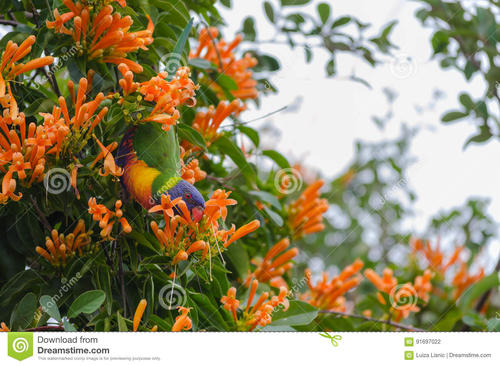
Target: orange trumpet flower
{"x": 139, "y": 312}
{"x": 183, "y": 321}
{"x": 220, "y": 53}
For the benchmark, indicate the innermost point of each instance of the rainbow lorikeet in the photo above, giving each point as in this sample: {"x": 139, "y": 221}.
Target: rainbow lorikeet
{"x": 150, "y": 158}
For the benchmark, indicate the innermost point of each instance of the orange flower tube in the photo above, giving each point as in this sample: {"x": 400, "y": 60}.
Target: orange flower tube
{"x": 139, "y": 313}
{"x": 242, "y": 231}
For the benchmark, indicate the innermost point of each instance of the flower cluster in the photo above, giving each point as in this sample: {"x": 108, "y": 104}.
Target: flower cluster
{"x": 191, "y": 171}
{"x": 306, "y": 213}
{"x": 60, "y": 247}
{"x": 403, "y": 297}
{"x": 435, "y": 257}
{"x": 63, "y": 132}
{"x": 274, "y": 265}
{"x": 258, "y": 314}
{"x": 102, "y": 34}
{"x": 166, "y": 95}
{"x": 183, "y": 321}
{"x": 19, "y": 155}
{"x": 4, "y": 328}
{"x": 10, "y": 69}
{"x": 207, "y": 123}
{"x": 220, "y": 53}
{"x": 463, "y": 279}
{"x": 181, "y": 236}
{"x": 104, "y": 215}
{"x": 110, "y": 166}
{"x": 423, "y": 285}
{"x": 328, "y": 294}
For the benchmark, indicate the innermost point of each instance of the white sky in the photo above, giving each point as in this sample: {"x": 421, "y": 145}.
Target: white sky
{"x": 334, "y": 113}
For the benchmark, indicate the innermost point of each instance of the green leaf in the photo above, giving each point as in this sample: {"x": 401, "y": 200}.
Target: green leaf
{"x": 238, "y": 257}
{"x": 201, "y": 63}
{"x": 208, "y": 312}
{"x": 447, "y": 323}
{"x": 49, "y": 306}
{"x": 226, "y": 82}
{"x": 440, "y": 41}
{"x": 251, "y": 133}
{"x": 266, "y": 63}
{"x": 277, "y": 158}
{"x": 228, "y": 147}
{"x": 469, "y": 69}
{"x": 467, "y": 101}
{"x": 18, "y": 285}
{"x": 294, "y": 2}
{"x": 493, "y": 325}
{"x": 188, "y": 133}
{"x": 481, "y": 110}
{"x": 476, "y": 290}
{"x": 177, "y": 11}
{"x": 453, "y": 116}
{"x": 267, "y": 197}
{"x": 275, "y": 217}
{"x": 163, "y": 325}
{"x": 141, "y": 239}
{"x": 268, "y": 8}
{"x": 176, "y": 55}
{"x": 330, "y": 67}
{"x": 68, "y": 327}
{"x": 249, "y": 29}
{"x": 122, "y": 325}
{"x": 86, "y": 303}
{"x": 474, "y": 320}
{"x": 278, "y": 328}
{"x": 105, "y": 285}
{"x": 483, "y": 135}
{"x": 341, "y": 21}
{"x": 324, "y": 12}
{"x": 337, "y": 324}
{"x": 299, "y": 313}
{"x": 24, "y": 312}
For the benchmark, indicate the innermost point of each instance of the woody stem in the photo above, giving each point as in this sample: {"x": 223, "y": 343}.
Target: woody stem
{"x": 367, "y": 318}
{"x": 122, "y": 280}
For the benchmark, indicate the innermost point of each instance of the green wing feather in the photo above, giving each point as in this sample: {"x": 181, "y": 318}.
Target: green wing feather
{"x": 159, "y": 149}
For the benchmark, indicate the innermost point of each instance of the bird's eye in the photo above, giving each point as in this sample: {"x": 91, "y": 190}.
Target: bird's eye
{"x": 187, "y": 196}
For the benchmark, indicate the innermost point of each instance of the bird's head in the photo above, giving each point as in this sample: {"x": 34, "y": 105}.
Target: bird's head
{"x": 191, "y": 196}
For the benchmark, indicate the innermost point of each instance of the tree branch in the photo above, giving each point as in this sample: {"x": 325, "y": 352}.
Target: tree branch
{"x": 122, "y": 279}
{"x": 41, "y": 215}
{"x": 46, "y": 328}
{"x": 9, "y": 22}
{"x": 367, "y": 318}
{"x": 221, "y": 181}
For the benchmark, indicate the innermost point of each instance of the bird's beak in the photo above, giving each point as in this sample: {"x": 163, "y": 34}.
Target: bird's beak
{"x": 197, "y": 213}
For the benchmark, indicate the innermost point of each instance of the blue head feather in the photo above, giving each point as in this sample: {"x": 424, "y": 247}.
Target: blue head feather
{"x": 189, "y": 194}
